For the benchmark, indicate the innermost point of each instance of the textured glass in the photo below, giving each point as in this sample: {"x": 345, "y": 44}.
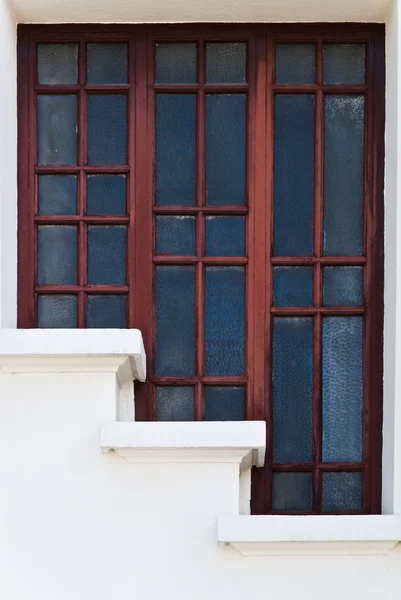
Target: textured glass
{"x": 226, "y": 63}
{"x": 225, "y": 236}
{"x": 107, "y": 312}
{"x": 175, "y": 403}
{"x": 343, "y": 174}
{"x": 107, "y": 63}
{"x": 293, "y": 286}
{"x": 107, "y": 130}
{"x": 224, "y": 403}
{"x": 292, "y": 388}
{"x": 224, "y": 321}
{"x": 295, "y": 63}
{"x": 175, "y": 236}
{"x": 106, "y": 194}
{"x": 57, "y": 194}
{"x": 342, "y": 492}
{"x": 294, "y": 175}
{"x": 175, "y": 149}
{"x": 175, "y": 63}
{"x": 107, "y": 255}
{"x": 226, "y": 149}
{"x": 57, "y": 129}
{"x": 343, "y": 286}
{"x": 175, "y": 321}
{"x": 57, "y": 64}
{"x": 292, "y": 492}
{"x": 57, "y": 254}
{"x": 55, "y": 312}
{"x": 344, "y": 63}
{"x": 342, "y": 388}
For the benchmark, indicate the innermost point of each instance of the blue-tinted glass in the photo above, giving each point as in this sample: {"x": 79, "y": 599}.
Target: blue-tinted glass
{"x": 343, "y": 174}
{"x": 107, "y": 63}
{"x": 343, "y": 286}
{"x": 175, "y": 321}
{"x": 57, "y": 130}
{"x": 344, "y": 63}
{"x": 107, "y": 255}
{"x": 292, "y": 492}
{"x": 57, "y": 64}
{"x": 175, "y": 403}
{"x": 175, "y": 63}
{"x": 175, "y": 149}
{"x": 294, "y": 175}
{"x": 224, "y": 321}
{"x": 295, "y": 63}
{"x": 225, "y": 236}
{"x": 175, "y": 236}
{"x": 224, "y": 403}
{"x": 107, "y": 312}
{"x": 57, "y": 312}
{"x": 57, "y": 194}
{"x": 293, "y": 286}
{"x": 106, "y": 194}
{"x": 225, "y": 63}
{"x": 226, "y": 149}
{"x": 342, "y": 492}
{"x": 107, "y": 130}
{"x": 342, "y": 388}
{"x": 57, "y": 254}
{"x": 292, "y": 389}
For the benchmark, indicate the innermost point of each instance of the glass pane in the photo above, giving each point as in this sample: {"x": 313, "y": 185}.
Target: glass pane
{"x": 57, "y": 312}
{"x": 224, "y": 403}
{"x": 107, "y": 63}
{"x": 343, "y": 286}
{"x": 175, "y": 403}
{"x": 292, "y": 492}
{"x": 57, "y": 64}
{"x": 107, "y": 255}
{"x": 57, "y": 130}
{"x": 294, "y": 175}
{"x": 107, "y": 130}
{"x": 224, "y": 321}
{"x": 175, "y": 321}
{"x": 344, "y": 63}
{"x": 343, "y": 175}
{"x": 226, "y": 63}
{"x": 342, "y": 492}
{"x": 107, "y": 312}
{"x": 342, "y": 388}
{"x": 57, "y": 254}
{"x": 106, "y": 194}
{"x": 175, "y": 149}
{"x": 226, "y": 149}
{"x": 295, "y": 63}
{"x": 57, "y": 194}
{"x": 225, "y": 236}
{"x": 175, "y": 63}
{"x": 292, "y": 389}
{"x": 293, "y": 286}
{"x": 175, "y": 236}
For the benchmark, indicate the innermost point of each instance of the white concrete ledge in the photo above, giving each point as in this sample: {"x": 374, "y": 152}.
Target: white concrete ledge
{"x": 310, "y": 535}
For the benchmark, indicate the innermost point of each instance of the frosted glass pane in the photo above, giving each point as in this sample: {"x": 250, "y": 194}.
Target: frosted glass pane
{"x": 295, "y": 63}
{"x": 343, "y": 286}
{"x": 106, "y": 194}
{"x": 344, "y": 63}
{"x": 175, "y": 63}
{"x": 57, "y": 254}
{"x": 223, "y": 403}
{"x": 107, "y": 255}
{"x": 175, "y": 403}
{"x": 293, "y": 286}
{"x": 225, "y": 236}
{"x": 226, "y": 63}
{"x": 107, "y": 130}
{"x": 175, "y": 236}
{"x": 57, "y": 64}
{"x": 107, "y": 63}
{"x": 107, "y": 312}
{"x": 292, "y": 492}
{"x": 57, "y": 312}
{"x": 57, "y": 194}
{"x": 57, "y": 129}
{"x": 342, "y": 492}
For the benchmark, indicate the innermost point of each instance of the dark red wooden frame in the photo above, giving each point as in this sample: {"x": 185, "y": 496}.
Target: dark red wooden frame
{"x": 260, "y": 88}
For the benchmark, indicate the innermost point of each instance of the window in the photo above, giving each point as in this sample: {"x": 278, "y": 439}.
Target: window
{"x": 221, "y": 189}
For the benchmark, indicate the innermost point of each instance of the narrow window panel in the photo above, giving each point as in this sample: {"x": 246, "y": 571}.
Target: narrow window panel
{"x": 294, "y": 174}
{"x": 224, "y": 403}
{"x": 107, "y": 63}
{"x": 224, "y": 321}
{"x": 57, "y": 129}
{"x": 175, "y": 63}
{"x": 225, "y": 236}
{"x": 175, "y": 403}
{"x": 343, "y": 175}
{"x": 292, "y": 492}
{"x": 344, "y": 63}
{"x": 175, "y": 149}
{"x": 343, "y": 286}
{"x": 175, "y": 235}
{"x": 342, "y": 492}
{"x": 107, "y": 130}
{"x": 57, "y": 194}
{"x": 293, "y": 286}
{"x": 175, "y": 321}
{"x": 295, "y": 63}
{"x": 292, "y": 389}
{"x": 57, "y": 255}
{"x": 57, "y": 64}
{"x": 106, "y": 194}
{"x": 226, "y": 62}
{"x": 57, "y": 312}
{"x": 107, "y": 255}
{"x": 106, "y": 312}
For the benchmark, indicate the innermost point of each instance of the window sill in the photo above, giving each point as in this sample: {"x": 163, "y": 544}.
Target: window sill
{"x": 311, "y": 535}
